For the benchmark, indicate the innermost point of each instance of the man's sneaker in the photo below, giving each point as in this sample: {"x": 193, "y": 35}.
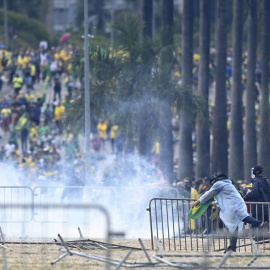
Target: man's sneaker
{"x": 264, "y": 225}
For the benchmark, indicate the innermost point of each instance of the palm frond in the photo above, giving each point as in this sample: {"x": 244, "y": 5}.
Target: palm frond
{"x": 130, "y": 26}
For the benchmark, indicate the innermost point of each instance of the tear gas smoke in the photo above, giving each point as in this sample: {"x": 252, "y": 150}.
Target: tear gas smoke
{"x": 125, "y": 189}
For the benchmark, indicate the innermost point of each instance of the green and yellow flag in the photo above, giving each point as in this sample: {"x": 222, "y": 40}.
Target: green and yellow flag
{"x": 23, "y": 122}
{"x": 199, "y": 209}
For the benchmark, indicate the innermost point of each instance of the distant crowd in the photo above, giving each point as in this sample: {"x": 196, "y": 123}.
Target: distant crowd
{"x": 38, "y": 87}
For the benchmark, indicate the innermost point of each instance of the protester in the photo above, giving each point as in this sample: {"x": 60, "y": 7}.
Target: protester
{"x": 17, "y": 83}
{"x": 260, "y": 193}
{"x": 233, "y": 210}
{"x": 113, "y": 136}
{"x": 57, "y": 88}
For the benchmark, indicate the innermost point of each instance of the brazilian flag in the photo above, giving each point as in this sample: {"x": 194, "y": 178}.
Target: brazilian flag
{"x": 199, "y": 209}
{"x": 23, "y": 122}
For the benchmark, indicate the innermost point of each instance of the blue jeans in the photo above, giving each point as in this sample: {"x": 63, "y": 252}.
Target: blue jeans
{"x": 254, "y": 222}
{"x": 250, "y": 220}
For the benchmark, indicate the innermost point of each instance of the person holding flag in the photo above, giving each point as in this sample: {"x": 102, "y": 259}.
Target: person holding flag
{"x": 233, "y": 210}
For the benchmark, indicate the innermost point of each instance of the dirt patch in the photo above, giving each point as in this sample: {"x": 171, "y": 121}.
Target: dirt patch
{"x": 40, "y": 256}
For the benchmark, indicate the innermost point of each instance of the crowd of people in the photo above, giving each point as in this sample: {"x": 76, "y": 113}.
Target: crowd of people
{"x": 32, "y": 111}
{"x": 33, "y": 108}
{"x": 37, "y": 87}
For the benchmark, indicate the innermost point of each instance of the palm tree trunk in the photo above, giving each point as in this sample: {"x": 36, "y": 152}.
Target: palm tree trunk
{"x": 99, "y": 11}
{"x": 220, "y": 143}
{"x": 166, "y": 142}
{"x": 250, "y": 149}
{"x": 236, "y": 158}
{"x": 167, "y": 22}
{"x": 145, "y": 137}
{"x": 147, "y": 16}
{"x": 263, "y": 153}
{"x": 186, "y": 125}
{"x": 145, "y": 113}
{"x": 203, "y": 133}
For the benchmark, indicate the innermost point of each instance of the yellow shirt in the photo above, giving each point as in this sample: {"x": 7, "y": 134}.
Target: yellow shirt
{"x": 196, "y": 59}
{"x": 59, "y": 112}
{"x": 193, "y": 195}
{"x": 114, "y": 131}
{"x": 24, "y": 61}
{"x": 29, "y": 98}
{"x": 34, "y": 134}
{"x": 6, "y": 112}
{"x": 156, "y": 148}
{"x": 33, "y": 70}
{"x": 63, "y": 55}
{"x": 102, "y": 128}
{"x": 56, "y": 56}
{"x": 17, "y": 82}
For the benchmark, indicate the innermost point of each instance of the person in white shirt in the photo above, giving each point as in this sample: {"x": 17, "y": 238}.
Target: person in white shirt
{"x": 9, "y": 148}
{"x": 43, "y": 45}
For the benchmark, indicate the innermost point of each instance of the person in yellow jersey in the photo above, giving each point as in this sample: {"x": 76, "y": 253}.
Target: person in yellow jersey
{"x": 102, "y": 130}
{"x": 5, "y": 114}
{"x": 17, "y": 83}
{"x": 58, "y": 116}
{"x": 34, "y": 136}
{"x": 24, "y": 61}
{"x": 191, "y": 193}
{"x": 33, "y": 74}
{"x": 113, "y": 135}
{"x": 29, "y": 97}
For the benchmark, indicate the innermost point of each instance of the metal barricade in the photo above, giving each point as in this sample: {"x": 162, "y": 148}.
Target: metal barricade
{"x": 13, "y": 195}
{"x": 170, "y": 224}
{"x": 260, "y": 211}
{"x": 67, "y": 194}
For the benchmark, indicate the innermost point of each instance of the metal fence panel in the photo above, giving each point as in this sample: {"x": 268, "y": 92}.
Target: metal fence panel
{"x": 13, "y": 195}
{"x": 55, "y": 195}
{"x": 170, "y": 224}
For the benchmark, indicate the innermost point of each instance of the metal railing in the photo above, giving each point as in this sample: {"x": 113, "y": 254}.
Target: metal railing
{"x": 11, "y": 195}
{"x": 55, "y": 195}
{"x": 170, "y": 224}
{"x": 113, "y": 198}
{"x": 64, "y": 209}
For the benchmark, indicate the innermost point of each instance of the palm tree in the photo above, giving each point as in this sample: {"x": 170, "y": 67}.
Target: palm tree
{"x": 185, "y": 142}
{"x": 263, "y": 153}
{"x": 130, "y": 26}
{"x": 236, "y": 158}
{"x": 220, "y": 144}
{"x": 203, "y": 134}
{"x": 250, "y": 149}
